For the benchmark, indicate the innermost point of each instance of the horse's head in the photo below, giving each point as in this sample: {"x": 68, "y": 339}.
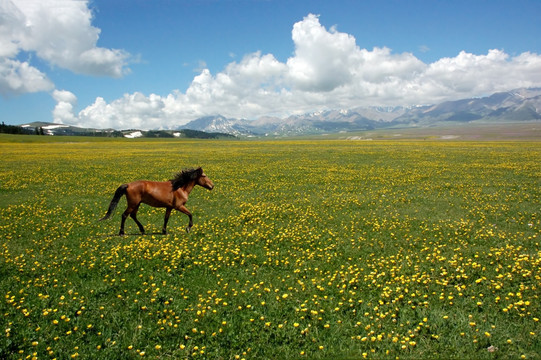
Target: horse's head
{"x": 203, "y": 180}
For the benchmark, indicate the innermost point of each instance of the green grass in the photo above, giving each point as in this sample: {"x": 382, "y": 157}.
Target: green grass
{"x": 329, "y": 249}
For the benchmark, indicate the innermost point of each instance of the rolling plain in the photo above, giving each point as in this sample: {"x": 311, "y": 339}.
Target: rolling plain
{"x": 304, "y": 249}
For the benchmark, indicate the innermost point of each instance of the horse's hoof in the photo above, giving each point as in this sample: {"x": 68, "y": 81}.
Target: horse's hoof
{"x": 164, "y": 232}
{"x": 188, "y": 229}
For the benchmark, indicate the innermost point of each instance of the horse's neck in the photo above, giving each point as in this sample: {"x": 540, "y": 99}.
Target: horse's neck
{"x": 188, "y": 187}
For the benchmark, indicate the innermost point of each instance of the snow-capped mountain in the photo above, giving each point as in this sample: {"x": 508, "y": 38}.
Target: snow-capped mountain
{"x": 217, "y": 124}
{"x": 315, "y": 122}
{"x": 516, "y": 105}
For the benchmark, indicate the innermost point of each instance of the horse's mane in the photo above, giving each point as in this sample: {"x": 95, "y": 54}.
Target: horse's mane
{"x": 185, "y": 176}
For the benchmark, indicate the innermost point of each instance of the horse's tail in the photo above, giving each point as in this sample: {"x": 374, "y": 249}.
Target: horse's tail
{"x": 121, "y": 191}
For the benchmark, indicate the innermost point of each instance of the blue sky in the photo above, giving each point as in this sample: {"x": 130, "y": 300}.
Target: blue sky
{"x": 162, "y": 63}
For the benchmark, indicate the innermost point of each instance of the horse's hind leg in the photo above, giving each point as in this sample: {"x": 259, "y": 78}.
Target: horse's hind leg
{"x": 130, "y": 211}
{"x": 165, "y": 220}
{"x": 134, "y": 217}
{"x": 125, "y": 214}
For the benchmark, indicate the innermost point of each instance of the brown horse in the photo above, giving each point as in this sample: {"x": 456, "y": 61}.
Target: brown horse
{"x": 170, "y": 195}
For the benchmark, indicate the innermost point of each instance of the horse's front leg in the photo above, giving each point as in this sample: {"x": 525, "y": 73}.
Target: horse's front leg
{"x": 165, "y": 220}
{"x": 184, "y": 210}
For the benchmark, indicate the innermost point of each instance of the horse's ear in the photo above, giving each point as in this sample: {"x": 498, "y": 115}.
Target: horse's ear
{"x": 199, "y": 171}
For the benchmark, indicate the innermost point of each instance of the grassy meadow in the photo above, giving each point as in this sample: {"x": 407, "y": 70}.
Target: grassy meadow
{"x": 304, "y": 249}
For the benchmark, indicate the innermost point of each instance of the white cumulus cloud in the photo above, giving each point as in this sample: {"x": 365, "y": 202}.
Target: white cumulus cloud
{"x": 323, "y": 60}
{"x": 57, "y": 31}
{"x": 63, "y": 112}
{"x": 18, "y": 77}
{"x": 328, "y": 69}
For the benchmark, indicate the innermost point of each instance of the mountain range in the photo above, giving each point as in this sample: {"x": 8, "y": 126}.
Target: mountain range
{"x": 512, "y": 106}
{"x": 504, "y": 107}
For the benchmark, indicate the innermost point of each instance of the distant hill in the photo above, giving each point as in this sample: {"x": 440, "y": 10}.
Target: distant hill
{"x": 44, "y": 128}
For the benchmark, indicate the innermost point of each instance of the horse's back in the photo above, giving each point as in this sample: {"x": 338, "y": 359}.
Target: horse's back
{"x": 153, "y": 193}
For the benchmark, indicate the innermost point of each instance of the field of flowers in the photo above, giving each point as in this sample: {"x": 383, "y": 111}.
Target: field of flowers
{"x": 329, "y": 249}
